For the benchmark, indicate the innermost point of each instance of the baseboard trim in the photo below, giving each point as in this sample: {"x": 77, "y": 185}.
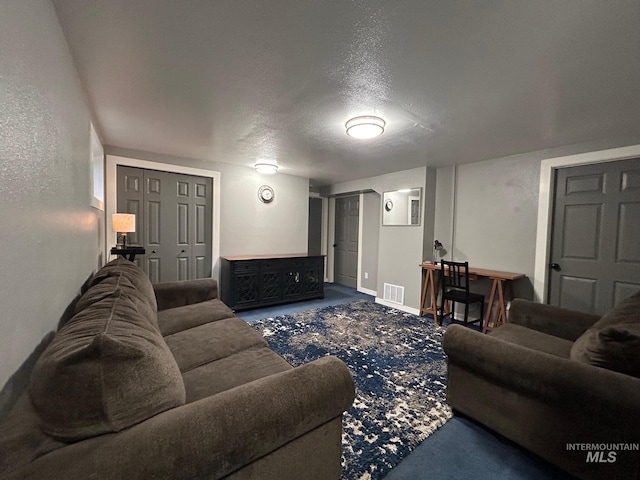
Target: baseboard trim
{"x": 373, "y": 293}
{"x": 404, "y": 308}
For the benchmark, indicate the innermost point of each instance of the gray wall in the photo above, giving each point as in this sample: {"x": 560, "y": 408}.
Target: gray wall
{"x": 444, "y": 214}
{"x": 51, "y": 237}
{"x": 400, "y": 248}
{"x": 248, "y": 226}
{"x": 429, "y": 201}
{"x": 370, "y": 244}
{"x": 496, "y": 216}
{"x": 487, "y": 212}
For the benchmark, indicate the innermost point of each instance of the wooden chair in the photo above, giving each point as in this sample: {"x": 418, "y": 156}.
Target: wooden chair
{"x": 454, "y": 279}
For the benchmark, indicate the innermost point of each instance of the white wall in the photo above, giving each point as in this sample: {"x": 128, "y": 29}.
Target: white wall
{"x": 51, "y": 237}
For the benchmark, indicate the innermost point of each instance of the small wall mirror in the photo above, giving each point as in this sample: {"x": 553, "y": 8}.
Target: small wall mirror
{"x": 401, "y": 207}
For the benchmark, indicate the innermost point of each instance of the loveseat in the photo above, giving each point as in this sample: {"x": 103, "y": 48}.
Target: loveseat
{"x": 565, "y": 385}
{"x": 164, "y": 382}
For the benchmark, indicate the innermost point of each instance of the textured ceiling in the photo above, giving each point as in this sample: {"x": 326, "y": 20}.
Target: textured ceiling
{"x": 236, "y": 81}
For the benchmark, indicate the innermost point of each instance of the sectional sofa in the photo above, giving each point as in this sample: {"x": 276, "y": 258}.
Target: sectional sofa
{"x": 164, "y": 382}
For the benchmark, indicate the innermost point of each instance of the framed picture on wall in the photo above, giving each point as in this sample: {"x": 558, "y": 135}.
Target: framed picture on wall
{"x": 96, "y": 168}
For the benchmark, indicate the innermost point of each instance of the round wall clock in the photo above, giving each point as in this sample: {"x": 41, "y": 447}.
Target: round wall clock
{"x": 388, "y": 206}
{"x": 265, "y": 194}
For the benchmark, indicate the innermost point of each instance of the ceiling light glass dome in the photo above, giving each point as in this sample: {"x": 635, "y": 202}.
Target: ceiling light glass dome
{"x": 365, "y": 127}
{"x": 266, "y": 167}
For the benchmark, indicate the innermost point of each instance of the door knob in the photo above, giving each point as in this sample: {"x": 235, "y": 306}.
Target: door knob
{"x": 181, "y": 251}
{"x": 335, "y": 245}
{"x": 153, "y": 251}
{"x": 555, "y": 266}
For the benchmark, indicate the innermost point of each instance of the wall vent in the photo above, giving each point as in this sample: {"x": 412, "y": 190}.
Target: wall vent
{"x": 393, "y": 293}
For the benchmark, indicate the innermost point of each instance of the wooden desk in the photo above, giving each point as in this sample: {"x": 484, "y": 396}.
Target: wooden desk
{"x": 430, "y": 291}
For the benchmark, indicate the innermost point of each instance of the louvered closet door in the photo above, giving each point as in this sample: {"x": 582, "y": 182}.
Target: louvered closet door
{"x": 174, "y": 220}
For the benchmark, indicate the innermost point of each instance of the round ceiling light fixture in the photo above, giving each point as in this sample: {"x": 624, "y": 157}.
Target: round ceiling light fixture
{"x": 268, "y": 168}
{"x": 365, "y": 127}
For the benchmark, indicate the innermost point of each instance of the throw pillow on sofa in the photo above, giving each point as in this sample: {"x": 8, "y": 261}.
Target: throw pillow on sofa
{"x": 107, "y": 369}
{"x": 613, "y": 342}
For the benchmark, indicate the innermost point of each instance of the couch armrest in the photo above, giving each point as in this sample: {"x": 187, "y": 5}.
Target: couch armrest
{"x": 559, "y": 381}
{"x": 186, "y": 292}
{"x": 556, "y": 321}
{"x": 214, "y": 436}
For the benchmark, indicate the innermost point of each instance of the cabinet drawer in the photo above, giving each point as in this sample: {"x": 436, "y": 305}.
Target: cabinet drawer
{"x": 270, "y": 264}
{"x": 244, "y": 265}
{"x": 313, "y": 262}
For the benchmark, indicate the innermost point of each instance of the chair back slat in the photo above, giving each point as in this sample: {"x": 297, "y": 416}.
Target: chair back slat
{"x": 454, "y": 278}
{"x": 454, "y": 275}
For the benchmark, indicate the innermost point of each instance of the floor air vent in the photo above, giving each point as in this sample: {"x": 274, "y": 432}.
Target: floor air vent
{"x": 393, "y": 293}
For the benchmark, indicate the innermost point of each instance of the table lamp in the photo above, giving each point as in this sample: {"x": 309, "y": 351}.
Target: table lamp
{"x": 437, "y": 249}
{"x": 123, "y": 223}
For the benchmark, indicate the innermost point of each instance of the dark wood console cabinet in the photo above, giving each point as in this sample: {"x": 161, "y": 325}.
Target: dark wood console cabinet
{"x": 261, "y": 280}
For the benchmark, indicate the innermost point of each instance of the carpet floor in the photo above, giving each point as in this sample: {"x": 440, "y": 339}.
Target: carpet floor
{"x": 461, "y": 448}
{"x": 398, "y": 367}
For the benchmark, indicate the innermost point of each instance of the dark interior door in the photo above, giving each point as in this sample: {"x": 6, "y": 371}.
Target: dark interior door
{"x": 173, "y": 217}
{"x": 315, "y": 226}
{"x": 346, "y": 241}
{"x": 595, "y": 251}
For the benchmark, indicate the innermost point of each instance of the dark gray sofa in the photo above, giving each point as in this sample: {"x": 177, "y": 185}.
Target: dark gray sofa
{"x": 565, "y": 385}
{"x": 164, "y": 382}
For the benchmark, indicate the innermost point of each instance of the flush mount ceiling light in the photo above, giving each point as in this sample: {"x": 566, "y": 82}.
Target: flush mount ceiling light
{"x": 266, "y": 167}
{"x": 365, "y": 127}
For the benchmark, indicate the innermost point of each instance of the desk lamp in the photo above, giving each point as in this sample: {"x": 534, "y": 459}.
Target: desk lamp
{"x": 437, "y": 247}
{"x": 123, "y": 223}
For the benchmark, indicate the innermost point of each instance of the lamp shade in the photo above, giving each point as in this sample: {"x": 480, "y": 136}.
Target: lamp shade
{"x": 123, "y": 222}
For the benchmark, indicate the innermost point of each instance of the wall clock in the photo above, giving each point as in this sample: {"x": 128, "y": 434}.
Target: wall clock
{"x": 388, "y": 205}
{"x": 265, "y": 194}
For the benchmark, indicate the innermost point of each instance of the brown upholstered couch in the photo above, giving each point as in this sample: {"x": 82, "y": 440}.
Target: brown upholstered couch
{"x": 164, "y": 382}
{"x": 563, "y": 384}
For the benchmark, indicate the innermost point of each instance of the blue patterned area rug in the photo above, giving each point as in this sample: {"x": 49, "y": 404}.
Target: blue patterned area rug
{"x": 398, "y": 367}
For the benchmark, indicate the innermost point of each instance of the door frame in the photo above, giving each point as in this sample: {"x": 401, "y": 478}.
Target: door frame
{"x": 323, "y": 231}
{"x": 548, "y": 169}
{"x": 111, "y": 166}
{"x": 331, "y": 230}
